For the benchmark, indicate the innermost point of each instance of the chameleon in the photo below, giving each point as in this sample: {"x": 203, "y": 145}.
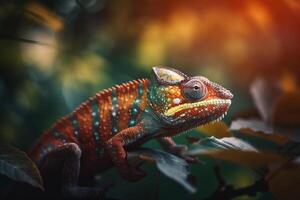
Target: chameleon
{"x": 98, "y": 134}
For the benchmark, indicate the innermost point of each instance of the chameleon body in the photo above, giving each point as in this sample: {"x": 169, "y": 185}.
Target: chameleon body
{"x": 97, "y": 135}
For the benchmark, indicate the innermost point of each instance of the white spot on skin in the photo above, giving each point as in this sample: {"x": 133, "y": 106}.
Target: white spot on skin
{"x": 176, "y": 101}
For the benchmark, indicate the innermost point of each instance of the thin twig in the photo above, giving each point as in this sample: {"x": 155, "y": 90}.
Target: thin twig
{"x": 227, "y": 192}
{"x": 25, "y": 40}
{"x": 157, "y": 186}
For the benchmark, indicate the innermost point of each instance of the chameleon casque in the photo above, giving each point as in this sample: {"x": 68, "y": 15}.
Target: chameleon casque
{"x": 97, "y": 135}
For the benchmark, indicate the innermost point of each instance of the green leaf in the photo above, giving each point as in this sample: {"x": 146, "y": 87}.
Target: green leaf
{"x": 213, "y": 143}
{"x": 234, "y": 150}
{"x": 256, "y": 125}
{"x": 18, "y": 166}
{"x": 169, "y": 165}
{"x": 258, "y": 128}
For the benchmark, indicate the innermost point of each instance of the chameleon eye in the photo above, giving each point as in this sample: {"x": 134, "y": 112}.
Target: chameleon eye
{"x": 194, "y": 90}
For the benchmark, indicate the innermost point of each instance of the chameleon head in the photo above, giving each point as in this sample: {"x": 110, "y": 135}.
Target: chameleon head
{"x": 184, "y": 101}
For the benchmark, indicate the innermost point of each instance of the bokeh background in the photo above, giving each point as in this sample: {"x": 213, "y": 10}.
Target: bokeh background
{"x": 55, "y": 54}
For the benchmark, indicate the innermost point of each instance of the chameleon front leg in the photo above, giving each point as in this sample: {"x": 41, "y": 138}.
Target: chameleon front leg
{"x": 66, "y": 159}
{"x": 115, "y": 147}
{"x": 170, "y": 146}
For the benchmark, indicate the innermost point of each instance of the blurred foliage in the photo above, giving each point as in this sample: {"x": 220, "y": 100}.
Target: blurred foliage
{"x": 55, "y": 54}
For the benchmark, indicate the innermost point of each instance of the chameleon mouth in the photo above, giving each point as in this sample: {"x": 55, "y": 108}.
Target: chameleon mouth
{"x": 212, "y": 102}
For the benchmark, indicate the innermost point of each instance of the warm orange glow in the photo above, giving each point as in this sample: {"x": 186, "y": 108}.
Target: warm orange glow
{"x": 293, "y": 4}
{"x": 259, "y": 14}
{"x": 44, "y": 16}
{"x": 288, "y": 83}
{"x": 182, "y": 28}
{"x": 160, "y": 38}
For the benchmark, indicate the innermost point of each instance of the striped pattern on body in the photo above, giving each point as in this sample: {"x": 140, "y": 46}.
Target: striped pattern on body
{"x": 97, "y": 120}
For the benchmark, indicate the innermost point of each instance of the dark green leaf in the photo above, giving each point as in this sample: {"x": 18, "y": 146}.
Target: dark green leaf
{"x": 233, "y": 150}
{"x": 213, "y": 143}
{"x": 253, "y": 124}
{"x": 275, "y": 133}
{"x": 171, "y": 166}
{"x": 18, "y": 166}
